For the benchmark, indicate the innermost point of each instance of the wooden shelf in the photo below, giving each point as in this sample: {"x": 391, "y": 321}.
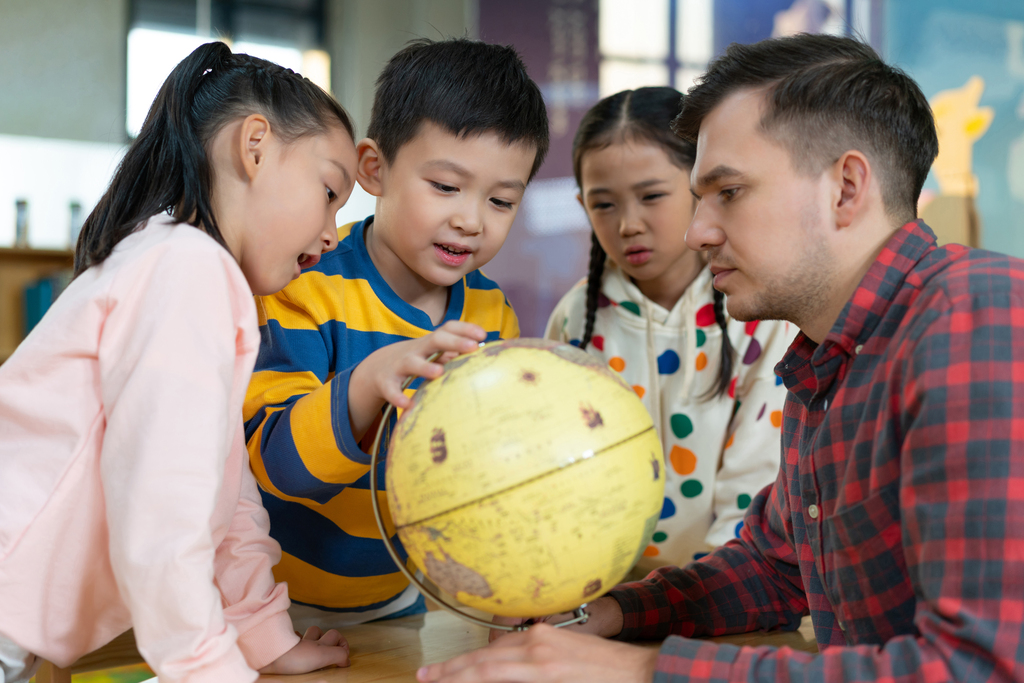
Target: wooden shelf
{"x": 18, "y": 267}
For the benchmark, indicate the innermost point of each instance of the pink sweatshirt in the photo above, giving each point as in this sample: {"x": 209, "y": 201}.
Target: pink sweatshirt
{"x": 126, "y": 498}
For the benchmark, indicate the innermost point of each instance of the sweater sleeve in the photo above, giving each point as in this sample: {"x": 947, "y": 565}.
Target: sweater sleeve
{"x": 167, "y": 363}
{"x": 563, "y": 320}
{"x": 253, "y": 603}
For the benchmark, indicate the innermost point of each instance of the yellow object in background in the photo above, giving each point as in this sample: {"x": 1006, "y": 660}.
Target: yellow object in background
{"x": 527, "y": 480}
{"x": 959, "y": 123}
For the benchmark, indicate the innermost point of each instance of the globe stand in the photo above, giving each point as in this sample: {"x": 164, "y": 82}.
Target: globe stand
{"x": 580, "y": 616}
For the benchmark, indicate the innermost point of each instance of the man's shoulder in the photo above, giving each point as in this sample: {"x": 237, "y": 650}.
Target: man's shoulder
{"x": 967, "y": 276}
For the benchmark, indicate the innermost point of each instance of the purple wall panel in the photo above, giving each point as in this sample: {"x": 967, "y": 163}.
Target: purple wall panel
{"x": 547, "y": 249}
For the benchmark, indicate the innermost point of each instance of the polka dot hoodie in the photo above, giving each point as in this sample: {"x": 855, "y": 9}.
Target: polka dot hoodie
{"x": 719, "y": 451}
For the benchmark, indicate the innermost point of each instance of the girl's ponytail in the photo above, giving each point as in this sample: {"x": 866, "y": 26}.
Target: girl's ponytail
{"x": 725, "y": 368}
{"x": 594, "y": 272}
{"x": 166, "y": 169}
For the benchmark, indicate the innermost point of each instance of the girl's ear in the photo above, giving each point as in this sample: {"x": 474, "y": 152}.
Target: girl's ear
{"x": 253, "y": 142}
{"x": 369, "y": 166}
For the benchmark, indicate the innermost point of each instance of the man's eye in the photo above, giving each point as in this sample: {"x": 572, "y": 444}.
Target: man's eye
{"x": 729, "y": 194}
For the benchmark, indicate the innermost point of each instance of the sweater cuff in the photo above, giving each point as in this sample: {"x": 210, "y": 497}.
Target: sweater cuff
{"x": 340, "y": 421}
{"x": 682, "y": 660}
{"x": 268, "y": 640}
{"x": 229, "y": 668}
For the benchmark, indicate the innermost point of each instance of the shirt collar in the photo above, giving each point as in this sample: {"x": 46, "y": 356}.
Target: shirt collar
{"x": 868, "y": 305}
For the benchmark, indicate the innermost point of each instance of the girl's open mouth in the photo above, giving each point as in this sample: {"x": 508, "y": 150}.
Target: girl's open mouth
{"x": 307, "y": 261}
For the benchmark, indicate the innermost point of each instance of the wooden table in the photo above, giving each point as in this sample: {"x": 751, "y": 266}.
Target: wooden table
{"x": 394, "y": 650}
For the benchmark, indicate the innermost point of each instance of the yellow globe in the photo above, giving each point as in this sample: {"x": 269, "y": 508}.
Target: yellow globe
{"x": 527, "y": 479}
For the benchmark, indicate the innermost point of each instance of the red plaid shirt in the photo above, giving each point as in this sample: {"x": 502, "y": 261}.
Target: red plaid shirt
{"x": 897, "y": 520}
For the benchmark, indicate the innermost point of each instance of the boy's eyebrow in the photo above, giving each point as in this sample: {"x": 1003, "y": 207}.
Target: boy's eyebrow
{"x": 449, "y": 165}
{"x": 714, "y": 175}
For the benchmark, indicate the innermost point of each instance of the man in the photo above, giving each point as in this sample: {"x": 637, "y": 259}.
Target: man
{"x": 897, "y": 521}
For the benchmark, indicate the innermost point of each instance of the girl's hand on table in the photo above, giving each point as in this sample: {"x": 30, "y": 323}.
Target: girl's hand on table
{"x": 315, "y": 651}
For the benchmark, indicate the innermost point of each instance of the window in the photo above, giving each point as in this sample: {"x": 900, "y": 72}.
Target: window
{"x": 653, "y": 42}
{"x": 163, "y": 32}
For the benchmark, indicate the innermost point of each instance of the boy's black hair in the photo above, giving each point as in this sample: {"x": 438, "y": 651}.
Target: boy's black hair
{"x": 644, "y": 114}
{"x": 166, "y": 168}
{"x": 826, "y": 95}
{"x": 464, "y": 86}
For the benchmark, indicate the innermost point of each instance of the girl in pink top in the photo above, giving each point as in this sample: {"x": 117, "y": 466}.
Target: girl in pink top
{"x": 126, "y": 499}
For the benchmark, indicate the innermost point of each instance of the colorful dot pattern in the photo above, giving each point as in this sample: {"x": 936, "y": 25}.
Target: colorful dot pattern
{"x": 683, "y": 460}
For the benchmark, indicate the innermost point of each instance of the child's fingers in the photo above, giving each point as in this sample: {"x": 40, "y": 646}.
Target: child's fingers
{"x": 333, "y": 638}
{"x": 448, "y": 341}
{"x": 464, "y": 329}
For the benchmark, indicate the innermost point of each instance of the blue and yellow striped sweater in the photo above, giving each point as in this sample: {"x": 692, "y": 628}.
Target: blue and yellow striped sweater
{"x": 313, "y": 474}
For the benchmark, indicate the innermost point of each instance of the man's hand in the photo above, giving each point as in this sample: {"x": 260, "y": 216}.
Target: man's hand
{"x": 605, "y": 620}
{"x": 545, "y": 654}
{"x": 379, "y": 377}
{"x": 315, "y": 651}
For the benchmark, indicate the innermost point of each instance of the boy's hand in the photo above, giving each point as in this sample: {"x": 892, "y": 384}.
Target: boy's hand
{"x": 378, "y": 379}
{"x": 605, "y": 620}
{"x": 315, "y": 651}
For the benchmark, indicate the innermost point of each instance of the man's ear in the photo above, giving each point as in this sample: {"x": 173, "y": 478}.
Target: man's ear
{"x": 853, "y": 176}
{"x": 253, "y": 141}
{"x": 369, "y": 166}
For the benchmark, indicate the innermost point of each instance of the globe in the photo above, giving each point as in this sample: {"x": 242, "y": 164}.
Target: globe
{"x": 526, "y": 480}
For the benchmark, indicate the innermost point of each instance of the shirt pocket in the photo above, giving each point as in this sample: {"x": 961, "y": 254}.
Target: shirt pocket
{"x": 866, "y": 571}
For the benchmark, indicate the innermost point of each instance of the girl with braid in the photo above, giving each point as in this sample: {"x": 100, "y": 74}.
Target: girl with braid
{"x": 648, "y": 309}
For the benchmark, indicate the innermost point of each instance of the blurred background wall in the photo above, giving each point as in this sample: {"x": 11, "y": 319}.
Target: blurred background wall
{"x": 76, "y": 78}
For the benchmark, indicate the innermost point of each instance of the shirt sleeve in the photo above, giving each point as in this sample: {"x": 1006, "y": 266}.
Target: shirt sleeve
{"x": 751, "y": 583}
{"x": 509, "y": 322}
{"x": 960, "y": 525}
{"x": 298, "y": 430}
{"x": 752, "y": 452}
{"x": 167, "y": 361}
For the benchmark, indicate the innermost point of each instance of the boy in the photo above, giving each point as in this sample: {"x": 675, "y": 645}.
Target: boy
{"x": 457, "y": 131}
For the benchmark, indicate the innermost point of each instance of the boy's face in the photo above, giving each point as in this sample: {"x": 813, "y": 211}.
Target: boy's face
{"x": 446, "y": 203}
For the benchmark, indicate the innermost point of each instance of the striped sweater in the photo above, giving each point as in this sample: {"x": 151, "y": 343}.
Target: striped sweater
{"x": 313, "y": 475}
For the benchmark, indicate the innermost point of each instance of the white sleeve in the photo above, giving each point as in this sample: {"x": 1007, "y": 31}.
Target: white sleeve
{"x": 561, "y": 322}
{"x": 167, "y": 364}
{"x": 753, "y": 451}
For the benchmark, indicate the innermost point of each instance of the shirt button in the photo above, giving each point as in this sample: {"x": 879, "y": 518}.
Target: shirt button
{"x": 824, "y": 406}
{"x": 860, "y": 347}
{"x": 812, "y": 510}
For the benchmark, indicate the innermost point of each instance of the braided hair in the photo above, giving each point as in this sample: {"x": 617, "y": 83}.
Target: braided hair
{"x": 167, "y": 167}
{"x": 644, "y": 114}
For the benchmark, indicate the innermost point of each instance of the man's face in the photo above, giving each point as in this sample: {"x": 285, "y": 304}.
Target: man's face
{"x": 764, "y": 224}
